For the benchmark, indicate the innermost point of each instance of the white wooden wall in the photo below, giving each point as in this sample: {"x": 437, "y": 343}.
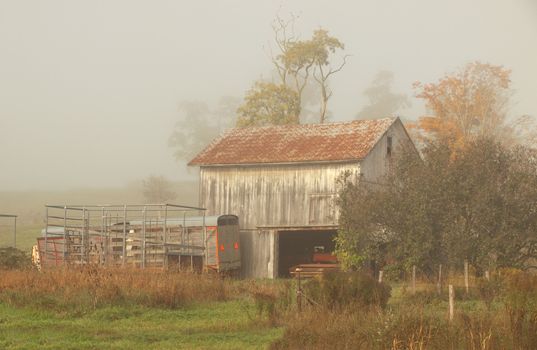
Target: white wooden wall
{"x": 274, "y": 195}
{"x": 376, "y": 164}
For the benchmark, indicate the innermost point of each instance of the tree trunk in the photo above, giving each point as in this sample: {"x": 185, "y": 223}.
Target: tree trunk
{"x": 324, "y": 102}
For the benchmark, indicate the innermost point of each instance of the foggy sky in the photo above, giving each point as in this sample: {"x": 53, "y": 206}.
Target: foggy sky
{"x": 89, "y": 90}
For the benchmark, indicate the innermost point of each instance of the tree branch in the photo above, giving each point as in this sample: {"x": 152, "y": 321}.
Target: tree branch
{"x": 339, "y": 68}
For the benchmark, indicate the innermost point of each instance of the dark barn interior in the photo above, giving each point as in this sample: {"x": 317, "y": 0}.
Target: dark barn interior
{"x": 297, "y": 247}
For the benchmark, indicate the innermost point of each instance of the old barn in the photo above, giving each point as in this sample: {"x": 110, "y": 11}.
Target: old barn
{"x": 282, "y": 182}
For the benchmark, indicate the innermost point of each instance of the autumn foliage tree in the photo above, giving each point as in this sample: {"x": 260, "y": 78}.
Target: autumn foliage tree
{"x": 467, "y": 105}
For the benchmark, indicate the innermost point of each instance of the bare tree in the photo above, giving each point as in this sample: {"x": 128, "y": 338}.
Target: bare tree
{"x": 299, "y": 60}
{"x": 158, "y": 189}
{"x": 284, "y": 34}
{"x": 324, "y": 45}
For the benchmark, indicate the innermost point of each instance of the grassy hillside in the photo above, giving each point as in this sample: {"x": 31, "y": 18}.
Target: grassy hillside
{"x": 26, "y": 236}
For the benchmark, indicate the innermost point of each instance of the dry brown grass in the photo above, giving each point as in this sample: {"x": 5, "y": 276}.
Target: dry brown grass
{"x": 405, "y": 328}
{"x": 92, "y": 287}
{"x": 500, "y": 314}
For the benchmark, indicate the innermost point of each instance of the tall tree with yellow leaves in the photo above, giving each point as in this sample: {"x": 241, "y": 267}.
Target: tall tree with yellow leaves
{"x": 467, "y": 105}
{"x": 298, "y": 62}
{"x": 269, "y": 104}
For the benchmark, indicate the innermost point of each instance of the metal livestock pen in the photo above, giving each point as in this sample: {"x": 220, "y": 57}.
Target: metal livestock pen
{"x": 147, "y": 235}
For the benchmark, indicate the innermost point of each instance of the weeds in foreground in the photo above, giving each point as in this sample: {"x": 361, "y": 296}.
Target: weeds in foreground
{"x": 272, "y": 301}
{"x": 86, "y": 288}
{"x": 350, "y": 311}
{"x": 403, "y": 327}
{"x": 420, "y": 321}
{"x": 341, "y": 289}
{"x": 13, "y": 258}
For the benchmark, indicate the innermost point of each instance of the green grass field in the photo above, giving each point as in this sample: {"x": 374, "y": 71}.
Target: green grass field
{"x": 223, "y": 325}
{"x": 26, "y": 236}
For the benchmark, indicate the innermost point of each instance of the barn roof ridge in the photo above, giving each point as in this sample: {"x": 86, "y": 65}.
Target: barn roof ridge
{"x": 346, "y": 140}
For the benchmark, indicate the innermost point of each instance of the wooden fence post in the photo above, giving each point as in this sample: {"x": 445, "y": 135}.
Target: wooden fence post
{"x": 439, "y": 283}
{"x": 299, "y": 291}
{"x": 466, "y": 283}
{"x": 451, "y": 302}
{"x": 414, "y": 279}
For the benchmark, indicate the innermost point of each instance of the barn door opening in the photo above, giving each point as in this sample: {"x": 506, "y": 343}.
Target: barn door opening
{"x": 299, "y": 247}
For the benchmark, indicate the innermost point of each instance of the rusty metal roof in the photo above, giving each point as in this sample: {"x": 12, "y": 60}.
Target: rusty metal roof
{"x": 295, "y": 143}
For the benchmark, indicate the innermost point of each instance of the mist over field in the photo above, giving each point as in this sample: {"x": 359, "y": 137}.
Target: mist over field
{"x": 409, "y": 224}
{"x": 90, "y": 91}
{"x": 29, "y": 205}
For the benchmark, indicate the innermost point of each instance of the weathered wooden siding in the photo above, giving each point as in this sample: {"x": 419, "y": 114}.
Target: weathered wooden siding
{"x": 376, "y": 164}
{"x": 274, "y": 195}
{"x": 259, "y": 253}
